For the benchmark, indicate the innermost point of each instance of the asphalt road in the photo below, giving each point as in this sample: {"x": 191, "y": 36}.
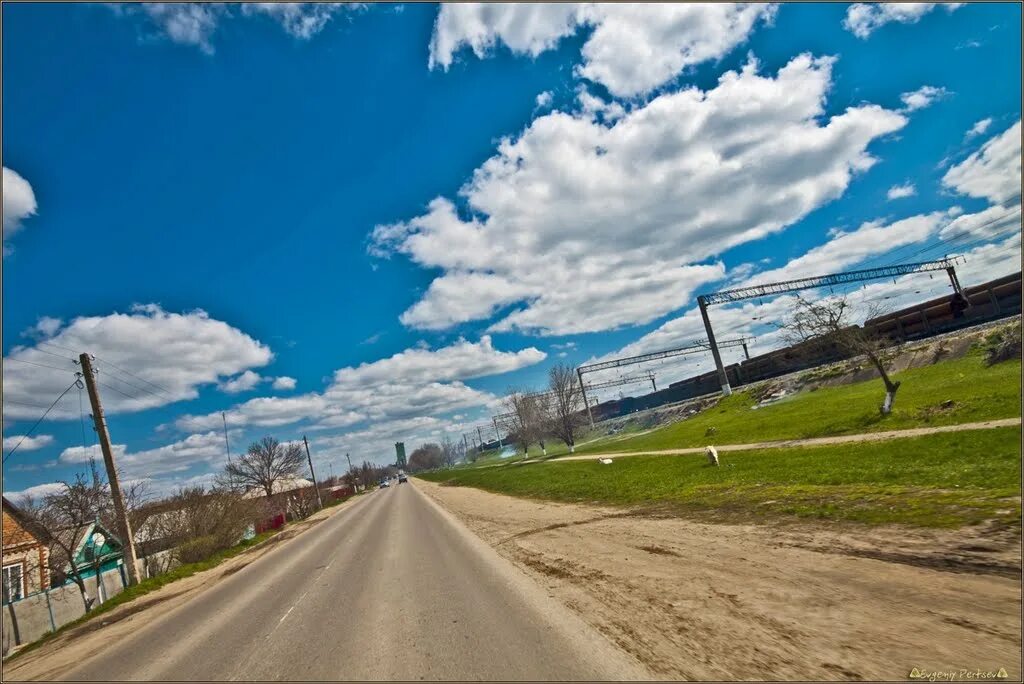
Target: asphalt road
{"x": 390, "y": 588}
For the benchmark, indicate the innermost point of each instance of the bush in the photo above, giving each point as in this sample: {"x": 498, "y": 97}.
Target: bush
{"x": 1003, "y": 345}
{"x": 195, "y": 550}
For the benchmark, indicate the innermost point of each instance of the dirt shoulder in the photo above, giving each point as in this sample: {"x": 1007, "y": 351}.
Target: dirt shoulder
{"x": 75, "y": 644}
{"x": 810, "y": 441}
{"x": 703, "y": 600}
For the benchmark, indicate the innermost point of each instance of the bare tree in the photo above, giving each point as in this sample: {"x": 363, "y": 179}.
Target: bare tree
{"x": 524, "y": 418}
{"x": 565, "y": 404}
{"x": 61, "y": 518}
{"x": 265, "y": 463}
{"x": 449, "y": 453}
{"x": 829, "y": 321}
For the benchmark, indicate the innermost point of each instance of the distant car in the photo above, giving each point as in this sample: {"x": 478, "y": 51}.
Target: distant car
{"x": 402, "y": 478}
{"x": 384, "y": 483}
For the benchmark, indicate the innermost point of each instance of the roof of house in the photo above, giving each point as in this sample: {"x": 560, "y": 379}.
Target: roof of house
{"x": 26, "y": 523}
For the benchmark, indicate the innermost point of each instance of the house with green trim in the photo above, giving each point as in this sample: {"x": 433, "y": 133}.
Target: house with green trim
{"x": 94, "y": 549}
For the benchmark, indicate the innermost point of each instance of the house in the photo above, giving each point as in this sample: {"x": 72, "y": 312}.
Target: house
{"x": 94, "y": 549}
{"x": 280, "y": 486}
{"x": 26, "y": 555}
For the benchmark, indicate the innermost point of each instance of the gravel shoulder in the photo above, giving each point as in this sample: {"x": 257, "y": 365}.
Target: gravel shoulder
{"x": 698, "y": 599}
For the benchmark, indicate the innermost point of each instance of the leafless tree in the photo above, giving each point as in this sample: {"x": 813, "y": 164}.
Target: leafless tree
{"x": 61, "y": 518}
{"x": 449, "y": 452}
{"x": 524, "y": 418}
{"x": 829, "y": 321}
{"x": 265, "y": 463}
{"x": 565, "y": 404}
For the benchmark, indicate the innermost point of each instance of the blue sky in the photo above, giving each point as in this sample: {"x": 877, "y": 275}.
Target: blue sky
{"x": 234, "y": 209}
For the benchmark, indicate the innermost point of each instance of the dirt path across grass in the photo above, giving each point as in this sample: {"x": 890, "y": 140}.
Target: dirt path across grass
{"x": 702, "y": 600}
{"x": 778, "y": 444}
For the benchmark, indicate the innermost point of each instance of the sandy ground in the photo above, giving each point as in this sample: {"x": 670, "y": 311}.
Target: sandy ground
{"x": 701, "y": 600}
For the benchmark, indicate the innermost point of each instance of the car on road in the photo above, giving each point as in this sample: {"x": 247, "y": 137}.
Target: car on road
{"x": 384, "y": 483}
{"x": 402, "y": 478}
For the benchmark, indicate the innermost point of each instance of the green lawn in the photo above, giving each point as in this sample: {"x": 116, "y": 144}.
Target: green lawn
{"x": 979, "y": 392}
{"x": 943, "y": 480}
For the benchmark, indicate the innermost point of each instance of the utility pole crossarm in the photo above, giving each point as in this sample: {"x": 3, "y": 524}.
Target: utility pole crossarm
{"x": 767, "y": 289}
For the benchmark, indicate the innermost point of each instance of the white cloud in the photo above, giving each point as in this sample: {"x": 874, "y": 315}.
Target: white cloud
{"x": 45, "y": 327}
{"x": 19, "y": 203}
{"x": 196, "y": 449}
{"x": 37, "y": 492}
{"x": 544, "y": 99}
{"x": 864, "y": 18}
{"x": 415, "y": 382}
{"x": 993, "y": 172}
{"x": 632, "y": 48}
{"x": 923, "y": 97}
{"x": 195, "y": 24}
{"x": 846, "y": 249}
{"x": 300, "y": 19}
{"x": 901, "y": 191}
{"x": 589, "y": 227}
{"x": 75, "y": 455}
{"x": 284, "y": 383}
{"x": 241, "y": 383}
{"x": 979, "y": 128}
{"x": 27, "y": 443}
{"x": 177, "y": 352}
{"x": 995, "y": 220}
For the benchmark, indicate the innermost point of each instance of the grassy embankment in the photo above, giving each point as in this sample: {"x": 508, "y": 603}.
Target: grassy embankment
{"x": 978, "y": 392}
{"x": 937, "y": 480}
{"x": 944, "y": 480}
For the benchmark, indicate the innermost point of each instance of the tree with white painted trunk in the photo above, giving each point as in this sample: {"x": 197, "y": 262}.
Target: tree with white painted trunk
{"x": 828, "y": 321}
{"x": 565, "y": 404}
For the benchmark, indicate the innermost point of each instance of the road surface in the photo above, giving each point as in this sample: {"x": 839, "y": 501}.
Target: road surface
{"x": 390, "y": 588}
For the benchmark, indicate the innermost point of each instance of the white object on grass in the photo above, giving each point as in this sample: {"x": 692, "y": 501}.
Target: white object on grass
{"x": 712, "y": 454}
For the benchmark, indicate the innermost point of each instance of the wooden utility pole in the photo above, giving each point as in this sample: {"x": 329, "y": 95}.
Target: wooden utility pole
{"x": 309, "y": 458}
{"x": 124, "y": 527}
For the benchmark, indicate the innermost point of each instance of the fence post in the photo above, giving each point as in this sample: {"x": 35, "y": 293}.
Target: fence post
{"x": 49, "y": 608}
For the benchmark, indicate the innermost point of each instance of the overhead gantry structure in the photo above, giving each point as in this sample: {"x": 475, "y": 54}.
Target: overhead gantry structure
{"x": 770, "y": 289}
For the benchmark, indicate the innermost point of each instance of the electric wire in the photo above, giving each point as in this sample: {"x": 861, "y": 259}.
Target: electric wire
{"x": 32, "y": 429}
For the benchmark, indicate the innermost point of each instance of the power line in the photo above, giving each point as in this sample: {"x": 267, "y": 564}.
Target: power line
{"x": 32, "y": 429}
{"x": 59, "y": 356}
{"x": 41, "y": 365}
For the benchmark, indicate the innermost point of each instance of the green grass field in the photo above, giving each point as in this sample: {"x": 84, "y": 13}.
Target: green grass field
{"x": 979, "y": 392}
{"x": 943, "y": 480}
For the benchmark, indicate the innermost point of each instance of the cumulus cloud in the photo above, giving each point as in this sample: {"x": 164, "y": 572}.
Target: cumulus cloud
{"x": 197, "y": 449}
{"x": 19, "y": 203}
{"x": 176, "y": 352}
{"x": 901, "y": 191}
{"x": 544, "y": 99}
{"x": 585, "y": 226}
{"x": 76, "y": 455}
{"x": 194, "y": 24}
{"x": 284, "y": 383}
{"x": 863, "y": 19}
{"x": 979, "y": 128}
{"x": 845, "y": 249}
{"x": 922, "y": 97}
{"x": 36, "y": 492}
{"x": 241, "y": 383}
{"x": 414, "y": 382}
{"x": 993, "y": 172}
{"x": 27, "y": 443}
{"x": 631, "y": 48}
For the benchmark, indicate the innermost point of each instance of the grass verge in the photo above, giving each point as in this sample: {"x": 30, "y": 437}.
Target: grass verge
{"x": 956, "y": 391}
{"x": 942, "y": 480}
